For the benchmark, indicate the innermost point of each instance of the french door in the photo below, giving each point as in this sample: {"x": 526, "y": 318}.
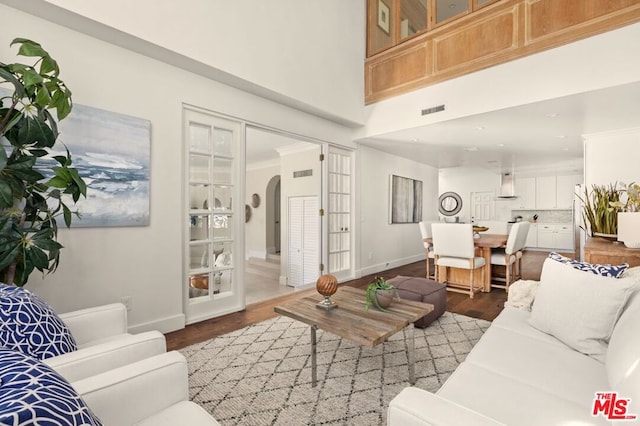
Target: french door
{"x": 213, "y": 219}
{"x": 340, "y": 209}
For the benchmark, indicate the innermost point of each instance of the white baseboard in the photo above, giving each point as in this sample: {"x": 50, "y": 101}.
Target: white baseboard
{"x": 164, "y": 325}
{"x": 259, "y": 254}
{"x": 373, "y": 269}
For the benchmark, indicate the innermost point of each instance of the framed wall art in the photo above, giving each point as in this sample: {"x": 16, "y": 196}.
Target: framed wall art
{"x": 111, "y": 152}
{"x": 383, "y": 16}
{"x": 405, "y": 197}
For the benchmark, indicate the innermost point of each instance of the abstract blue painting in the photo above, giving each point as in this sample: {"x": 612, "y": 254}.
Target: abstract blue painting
{"x": 111, "y": 152}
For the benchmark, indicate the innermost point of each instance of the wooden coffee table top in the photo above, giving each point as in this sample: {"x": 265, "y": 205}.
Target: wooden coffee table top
{"x": 350, "y": 320}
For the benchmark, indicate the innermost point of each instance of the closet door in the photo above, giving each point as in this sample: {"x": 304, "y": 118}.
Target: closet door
{"x": 303, "y": 237}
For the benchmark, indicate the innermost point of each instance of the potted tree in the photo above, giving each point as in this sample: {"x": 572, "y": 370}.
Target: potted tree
{"x": 36, "y": 175}
{"x": 629, "y": 215}
{"x": 380, "y": 293}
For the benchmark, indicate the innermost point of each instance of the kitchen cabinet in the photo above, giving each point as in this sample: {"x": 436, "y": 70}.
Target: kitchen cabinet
{"x": 556, "y": 192}
{"x": 526, "y": 190}
{"x": 555, "y": 236}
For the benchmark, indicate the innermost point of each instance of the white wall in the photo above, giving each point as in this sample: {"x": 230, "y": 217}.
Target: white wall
{"x": 464, "y": 181}
{"x": 381, "y": 244}
{"x": 612, "y": 157}
{"x": 255, "y": 230}
{"x": 307, "y": 54}
{"x": 101, "y": 265}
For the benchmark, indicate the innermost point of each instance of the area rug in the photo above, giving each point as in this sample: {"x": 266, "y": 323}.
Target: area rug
{"x": 261, "y": 374}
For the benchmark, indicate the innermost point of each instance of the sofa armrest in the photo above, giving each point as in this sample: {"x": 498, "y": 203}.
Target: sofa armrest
{"x": 96, "y": 323}
{"x": 134, "y": 392}
{"x": 414, "y": 406}
{"x": 106, "y": 356}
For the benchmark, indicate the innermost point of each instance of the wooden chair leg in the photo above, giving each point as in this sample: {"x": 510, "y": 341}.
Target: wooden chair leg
{"x": 509, "y": 271}
{"x": 428, "y": 264}
{"x": 471, "y": 283}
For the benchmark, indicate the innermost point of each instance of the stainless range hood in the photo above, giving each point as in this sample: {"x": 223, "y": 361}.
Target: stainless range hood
{"x": 507, "y": 186}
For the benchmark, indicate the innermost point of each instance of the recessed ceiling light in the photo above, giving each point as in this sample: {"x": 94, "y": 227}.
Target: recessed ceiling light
{"x": 471, "y": 148}
{"x": 501, "y": 144}
{"x": 480, "y": 128}
{"x": 552, "y": 115}
{"x": 560, "y": 136}
{"x": 414, "y": 140}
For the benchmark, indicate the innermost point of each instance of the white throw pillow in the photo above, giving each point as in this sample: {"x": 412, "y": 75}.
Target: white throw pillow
{"x": 579, "y": 308}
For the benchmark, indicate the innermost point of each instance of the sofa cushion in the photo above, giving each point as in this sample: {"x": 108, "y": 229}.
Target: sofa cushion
{"x": 29, "y": 325}
{"x": 615, "y": 271}
{"x": 33, "y": 393}
{"x": 623, "y": 353}
{"x": 579, "y": 308}
{"x": 513, "y": 402}
{"x": 551, "y": 367}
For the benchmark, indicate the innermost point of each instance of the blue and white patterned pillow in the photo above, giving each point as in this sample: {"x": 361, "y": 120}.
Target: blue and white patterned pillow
{"x": 29, "y": 325}
{"x": 32, "y": 393}
{"x": 614, "y": 271}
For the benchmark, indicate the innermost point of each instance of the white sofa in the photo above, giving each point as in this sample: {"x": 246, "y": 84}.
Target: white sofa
{"x": 154, "y": 392}
{"x": 103, "y": 342}
{"x": 518, "y": 375}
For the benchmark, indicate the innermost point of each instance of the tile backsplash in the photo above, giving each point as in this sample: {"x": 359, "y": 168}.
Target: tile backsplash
{"x": 545, "y": 216}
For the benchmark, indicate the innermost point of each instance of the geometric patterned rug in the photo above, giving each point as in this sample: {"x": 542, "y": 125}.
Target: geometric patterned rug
{"x": 261, "y": 374}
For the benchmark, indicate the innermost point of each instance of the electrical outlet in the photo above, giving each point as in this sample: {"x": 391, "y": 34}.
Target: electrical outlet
{"x": 370, "y": 255}
{"x": 128, "y": 302}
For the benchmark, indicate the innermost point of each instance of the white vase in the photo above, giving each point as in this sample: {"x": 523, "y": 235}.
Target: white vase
{"x": 629, "y": 229}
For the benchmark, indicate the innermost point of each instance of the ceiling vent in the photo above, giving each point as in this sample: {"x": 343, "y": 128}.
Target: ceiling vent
{"x": 507, "y": 189}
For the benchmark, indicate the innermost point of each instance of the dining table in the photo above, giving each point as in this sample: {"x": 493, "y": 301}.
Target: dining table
{"x": 484, "y": 242}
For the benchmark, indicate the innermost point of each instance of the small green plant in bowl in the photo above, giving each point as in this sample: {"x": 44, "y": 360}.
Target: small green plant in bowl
{"x": 380, "y": 293}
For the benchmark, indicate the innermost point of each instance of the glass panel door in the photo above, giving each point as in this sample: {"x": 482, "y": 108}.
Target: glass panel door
{"x": 340, "y": 212}
{"x": 211, "y": 283}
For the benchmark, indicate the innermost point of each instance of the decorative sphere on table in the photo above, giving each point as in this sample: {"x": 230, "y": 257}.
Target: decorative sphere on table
{"x": 327, "y": 285}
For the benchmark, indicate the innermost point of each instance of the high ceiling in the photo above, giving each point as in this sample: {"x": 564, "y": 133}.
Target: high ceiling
{"x": 539, "y": 138}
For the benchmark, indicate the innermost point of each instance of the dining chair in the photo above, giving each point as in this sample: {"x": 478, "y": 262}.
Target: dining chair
{"x": 425, "y": 231}
{"x": 508, "y": 256}
{"x": 453, "y": 247}
{"x": 523, "y": 232}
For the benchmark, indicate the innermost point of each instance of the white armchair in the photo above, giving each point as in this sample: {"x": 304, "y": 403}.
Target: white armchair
{"x": 103, "y": 342}
{"x": 154, "y": 391}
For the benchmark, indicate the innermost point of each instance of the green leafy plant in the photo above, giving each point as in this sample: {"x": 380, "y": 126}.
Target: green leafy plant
{"x": 600, "y": 209}
{"x": 30, "y": 201}
{"x": 632, "y": 194}
{"x": 379, "y": 283}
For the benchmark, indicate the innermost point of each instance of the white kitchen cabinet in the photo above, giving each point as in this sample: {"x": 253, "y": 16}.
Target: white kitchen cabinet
{"x": 556, "y": 192}
{"x": 546, "y": 192}
{"x": 564, "y": 237}
{"x": 526, "y": 191}
{"x": 555, "y": 236}
{"x": 532, "y": 235}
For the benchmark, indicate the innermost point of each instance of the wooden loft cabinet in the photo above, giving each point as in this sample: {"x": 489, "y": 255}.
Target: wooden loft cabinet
{"x": 597, "y": 250}
{"x": 482, "y": 35}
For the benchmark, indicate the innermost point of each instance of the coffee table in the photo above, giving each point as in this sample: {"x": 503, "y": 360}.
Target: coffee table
{"x": 351, "y": 321}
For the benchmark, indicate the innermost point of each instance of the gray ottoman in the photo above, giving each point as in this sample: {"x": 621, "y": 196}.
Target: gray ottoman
{"x": 422, "y": 290}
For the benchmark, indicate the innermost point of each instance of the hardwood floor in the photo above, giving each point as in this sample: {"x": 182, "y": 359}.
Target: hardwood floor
{"x": 484, "y": 305}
